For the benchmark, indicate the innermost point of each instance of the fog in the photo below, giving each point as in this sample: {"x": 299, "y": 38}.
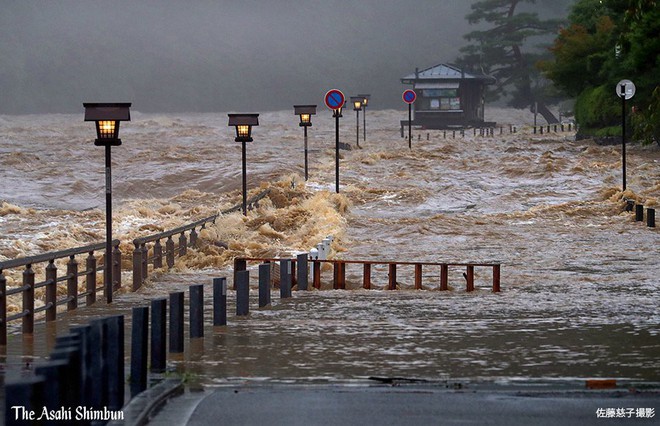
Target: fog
{"x": 248, "y": 55}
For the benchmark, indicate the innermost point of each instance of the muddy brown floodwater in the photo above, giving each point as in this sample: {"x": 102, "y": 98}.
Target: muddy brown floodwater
{"x": 580, "y": 278}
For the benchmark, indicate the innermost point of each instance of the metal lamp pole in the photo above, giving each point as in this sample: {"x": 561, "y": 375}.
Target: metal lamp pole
{"x": 357, "y": 128}
{"x": 243, "y": 124}
{"x": 244, "y": 158}
{"x": 305, "y": 112}
{"x": 107, "y": 117}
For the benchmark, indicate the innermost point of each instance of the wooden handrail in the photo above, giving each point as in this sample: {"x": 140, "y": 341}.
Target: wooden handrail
{"x": 40, "y": 258}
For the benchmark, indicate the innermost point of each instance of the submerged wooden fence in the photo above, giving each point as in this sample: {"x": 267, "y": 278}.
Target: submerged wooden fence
{"x": 339, "y": 271}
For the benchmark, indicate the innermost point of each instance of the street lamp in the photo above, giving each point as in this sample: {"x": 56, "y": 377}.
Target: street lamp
{"x": 305, "y": 112}
{"x": 357, "y": 107}
{"x": 365, "y": 101}
{"x": 243, "y": 124}
{"x": 107, "y": 117}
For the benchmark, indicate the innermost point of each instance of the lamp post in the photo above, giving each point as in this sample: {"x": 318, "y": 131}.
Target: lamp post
{"x": 365, "y": 101}
{"x": 107, "y": 117}
{"x": 357, "y": 107}
{"x": 243, "y": 124}
{"x": 305, "y": 112}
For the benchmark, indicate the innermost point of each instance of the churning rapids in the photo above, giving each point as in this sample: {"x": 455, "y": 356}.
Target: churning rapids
{"x": 580, "y": 278}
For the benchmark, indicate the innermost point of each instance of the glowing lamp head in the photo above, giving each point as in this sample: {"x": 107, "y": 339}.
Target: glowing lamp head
{"x": 365, "y": 99}
{"x": 357, "y": 103}
{"x": 243, "y": 124}
{"x": 305, "y": 112}
{"x": 107, "y": 117}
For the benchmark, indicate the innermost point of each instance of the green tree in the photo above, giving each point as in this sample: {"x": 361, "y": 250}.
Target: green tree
{"x": 606, "y": 41}
{"x": 506, "y": 50}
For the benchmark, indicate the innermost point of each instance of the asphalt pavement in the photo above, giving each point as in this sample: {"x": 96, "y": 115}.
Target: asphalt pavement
{"x": 394, "y": 404}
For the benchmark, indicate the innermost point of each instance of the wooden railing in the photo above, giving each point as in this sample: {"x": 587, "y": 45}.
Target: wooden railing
{"x": 187, "y": 238}
{"x": 51, "y": 282}
{"x": 144, "y": 255}
{"x": 339, "y": 272}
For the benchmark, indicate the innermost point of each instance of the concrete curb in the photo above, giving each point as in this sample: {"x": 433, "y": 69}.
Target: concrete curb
{"x": 139, "y": 409}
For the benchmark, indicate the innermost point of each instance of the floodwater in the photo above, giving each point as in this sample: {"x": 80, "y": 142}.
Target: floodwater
{"x": 580, "y": 278}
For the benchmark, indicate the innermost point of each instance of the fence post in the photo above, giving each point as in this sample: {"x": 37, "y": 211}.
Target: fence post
{"x": 176, "y": 322}
{"x": 169, "y": 252}
{"x": 239, "y": 265}
{"x": 243, "y": 293}
{"x": 183, "y": 244}
{"x": 342, "y": 275}
{"x": 158, "y": 255}
{"x": 85, "y": 382}
{"x": 137, "y": 267}
{"x": 193, "y": 238}
{"x": 27, "y": 393}
{"x": 139, "y": 340}
{"x": 116, "y": 264}
{"x": 55, "y": 385}
{"x": 317, "y": 274}
{"x": 470, "y": 278}
{"x": 145, "y": 261}
{"x": 444, "y": 277}
{"x": 3, "y": 309}
{"x": 496, "y": 278}
{"x": 303, "y": 271}
{"x": 90, "y": 279}
{"x": 650, "y": 218}
{"x": 94, "y": 366}
{"x": 639, "y": 213}
{"x": 219, "y": 301}
{"x": 115, "y": 361}
{"x": 72, "y": 283}
{"x": 196, "y": 311}
{"x": 264, "y": 285}
{"x": 158, "y": 334}
{"x": 392, "y": 277}
{"x": 418, "y": 276}
{"x": 366, "y": 276}
{"x": 28, "y": 300}
{"x": 51, "y": 291}
{"x": 285, "y": 278}
{"x": 335, "y": 275}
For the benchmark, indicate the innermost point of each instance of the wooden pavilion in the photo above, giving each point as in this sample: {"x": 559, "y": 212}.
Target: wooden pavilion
{"x": 448, "y": 97}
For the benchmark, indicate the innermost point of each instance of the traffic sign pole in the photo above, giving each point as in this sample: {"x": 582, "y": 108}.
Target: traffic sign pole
{"x": 334, "y": 100}
{"x": 409, "y": 97}
{"x": 625, "y": 89}
{"x": 623, "y": 133}
{"x": 337, "y": 151}
{"x": 410, "y": 126}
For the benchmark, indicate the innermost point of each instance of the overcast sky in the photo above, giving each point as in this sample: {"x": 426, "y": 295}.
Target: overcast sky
{"x": 222, "y": 55}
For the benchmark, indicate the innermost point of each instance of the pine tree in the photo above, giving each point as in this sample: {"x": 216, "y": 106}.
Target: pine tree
{"x": 505, "y": 50}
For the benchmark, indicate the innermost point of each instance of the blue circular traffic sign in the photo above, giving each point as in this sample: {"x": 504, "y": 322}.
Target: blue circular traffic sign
{"x": 409, "y": 96}
{"x": 334, "y": 99}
